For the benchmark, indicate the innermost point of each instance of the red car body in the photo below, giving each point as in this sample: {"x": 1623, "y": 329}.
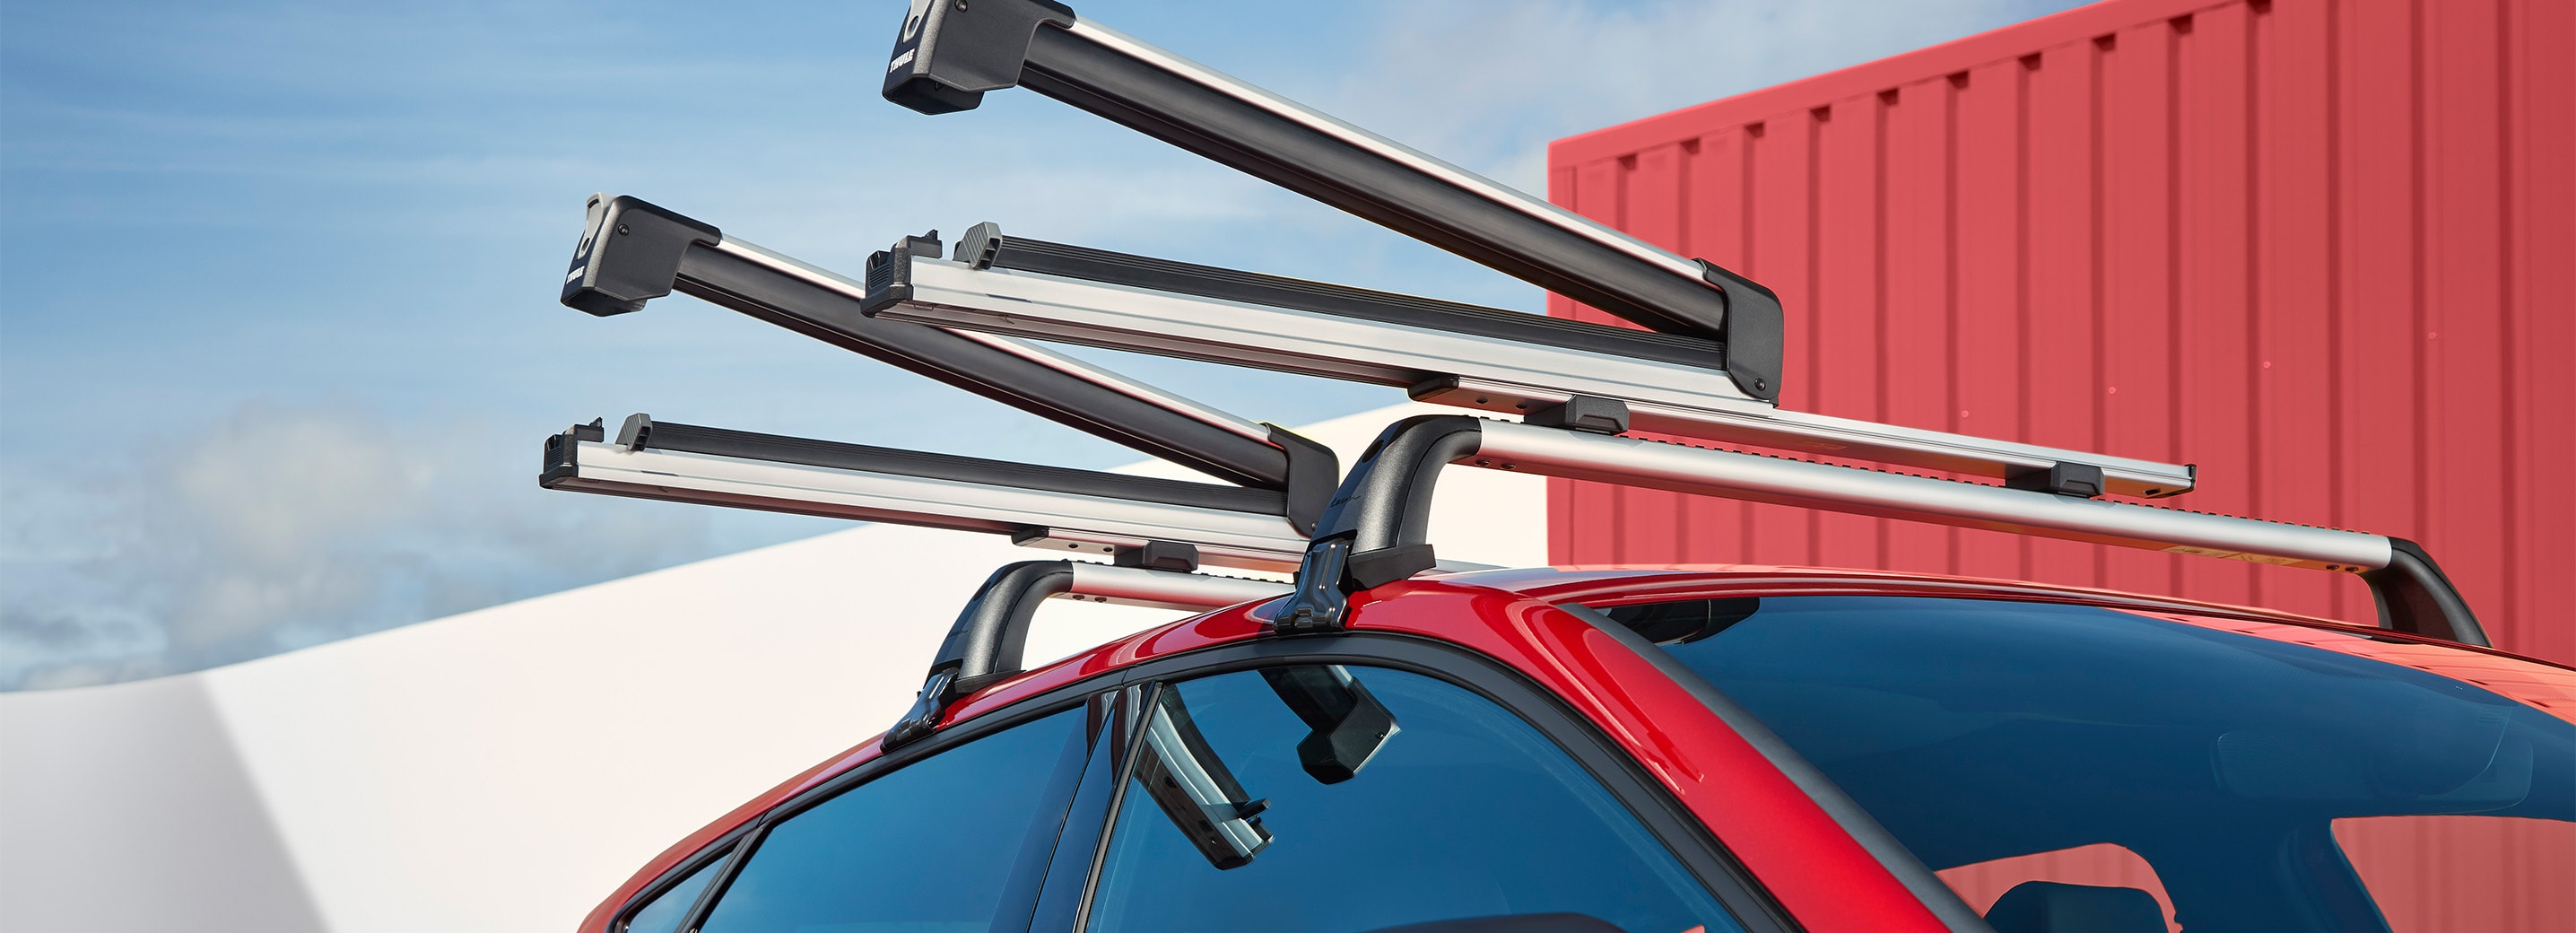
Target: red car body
{"x": 1797, "y": 852}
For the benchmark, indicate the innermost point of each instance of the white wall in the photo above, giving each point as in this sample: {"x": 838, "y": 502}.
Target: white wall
{"x": 504, "y": 769}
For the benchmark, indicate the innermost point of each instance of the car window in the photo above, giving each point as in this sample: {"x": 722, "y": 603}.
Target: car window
{"x": 943, "y": 845}
{"x": 1351, "y": 799}
{"x": 2232, "y": 765}
{"x": 663, "y": 913}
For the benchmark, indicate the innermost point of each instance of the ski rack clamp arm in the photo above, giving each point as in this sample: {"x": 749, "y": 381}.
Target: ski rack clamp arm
{"x": 947, "y": 55}
{"x": 1375, "y": 533}
{"x": 990, "y": 637}
{"x": 632, "y": 251}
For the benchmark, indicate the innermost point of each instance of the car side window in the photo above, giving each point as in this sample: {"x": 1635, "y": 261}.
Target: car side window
{"x": 950, "y": 842}
{"x": 1357, "y": 799}
{"x": 662, "y": 913}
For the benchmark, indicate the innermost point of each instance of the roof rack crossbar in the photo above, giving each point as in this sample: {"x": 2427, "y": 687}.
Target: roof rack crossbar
{"x": 1442, "y": 352}
{"x": 989, "y": 638}
{"x": 1078, "y": 511}
{"x": 1376, "y": 529}
{"x": 947, "y": 56}
{"x": 632, "y": 251}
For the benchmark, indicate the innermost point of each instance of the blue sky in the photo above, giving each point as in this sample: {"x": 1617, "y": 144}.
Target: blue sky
{"x": 279, "y": 343}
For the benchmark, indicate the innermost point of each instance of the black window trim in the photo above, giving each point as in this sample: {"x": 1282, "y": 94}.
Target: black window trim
{"x": 1664, "y": 817}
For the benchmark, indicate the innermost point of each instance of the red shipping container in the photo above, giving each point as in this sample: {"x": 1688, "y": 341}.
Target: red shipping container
{"x": 2324, "y": 249}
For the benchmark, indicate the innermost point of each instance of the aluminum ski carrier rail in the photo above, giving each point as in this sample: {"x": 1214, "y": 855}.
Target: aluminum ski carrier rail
{"x": 1711, "y": 369}
{"x": 1439, "y": 351}
{"x": 1376, "y": 532}
{"x": 632, "y": 252}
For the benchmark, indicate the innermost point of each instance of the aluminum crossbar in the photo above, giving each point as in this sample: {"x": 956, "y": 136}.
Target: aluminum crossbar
{"x": 1376, "y": 532}
{"x": 1782, "y": 481}
{"x": 1479, "y": 358}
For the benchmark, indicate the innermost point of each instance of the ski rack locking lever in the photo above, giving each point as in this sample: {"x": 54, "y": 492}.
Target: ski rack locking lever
{"x": 1375, "y": 531}
{"x": 1441, "y": 352}
{"x": 989, "y": 638}
{"x": 947, "y": 55}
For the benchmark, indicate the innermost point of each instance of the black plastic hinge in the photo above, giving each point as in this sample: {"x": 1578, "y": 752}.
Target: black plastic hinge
{"x": 950, "y": 52}
{"x": 562, "y": 456}
{"x": 2078, "y": 480}
{"x": 889, "y": 275}
{"x": 1586, "y": 413}
{"x": 1754, "y": 332}
{"x": 629, "y": 254}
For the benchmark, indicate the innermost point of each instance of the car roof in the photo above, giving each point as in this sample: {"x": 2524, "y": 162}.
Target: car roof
{"x": 2542, "y": 684}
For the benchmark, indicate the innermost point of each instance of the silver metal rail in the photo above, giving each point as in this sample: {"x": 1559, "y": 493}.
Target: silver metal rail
{"x": 1377, "y": 530}
{"x": 1781, "y": 481}
{"x": 1048, "y": 518}
{"x": 1165, "y": 589}
{"x": 1456, "y": 367}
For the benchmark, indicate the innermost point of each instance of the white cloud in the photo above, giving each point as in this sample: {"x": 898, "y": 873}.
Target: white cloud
{"x": 281, "y": 527}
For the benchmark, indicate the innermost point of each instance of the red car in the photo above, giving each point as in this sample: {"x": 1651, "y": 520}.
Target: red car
{"x": 1652, "y": 751}
{"x": 1390, "y": 744}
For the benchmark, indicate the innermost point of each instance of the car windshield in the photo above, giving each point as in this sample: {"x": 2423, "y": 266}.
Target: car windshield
{"x": 2059, "y": 761}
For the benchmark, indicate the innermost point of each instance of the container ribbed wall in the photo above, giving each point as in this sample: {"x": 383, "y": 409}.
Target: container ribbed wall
{"x": 2324, "y": 249}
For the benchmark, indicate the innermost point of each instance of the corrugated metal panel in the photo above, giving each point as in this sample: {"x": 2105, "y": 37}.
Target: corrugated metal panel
{"x": 2325, "y": 249}
{"x": 2322, "y": 248}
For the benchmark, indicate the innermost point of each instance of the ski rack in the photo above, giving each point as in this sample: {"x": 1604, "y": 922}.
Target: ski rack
{"x": 1438, "y": 351}
{"x": 632, "y": 252}
{"x": 1376, "y": 531}
{"x": 948, "y": 55}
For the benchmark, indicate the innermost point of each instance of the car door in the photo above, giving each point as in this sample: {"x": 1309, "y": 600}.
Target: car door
{"x": 1362, "y": 783}
{"x": 951, "y": 833}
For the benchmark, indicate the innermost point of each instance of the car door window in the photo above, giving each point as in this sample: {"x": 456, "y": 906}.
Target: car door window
{"x": 1351, "y": 799}
{"x": 662, "y": 914}
{"x": 947, "y": 844}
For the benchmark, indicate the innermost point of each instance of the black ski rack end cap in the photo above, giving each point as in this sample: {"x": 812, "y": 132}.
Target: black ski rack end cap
{"x": 1754, "y": 332}
{"x": 1587, "y": 413}
{"x": 1159, "y": 555}
{"x": 629, "y": 254}
{"x": 560, "y": 458}
{"x": 2075, "y": 480}
{"x": 951, "y": 51}
{"x": 889, "y": 276}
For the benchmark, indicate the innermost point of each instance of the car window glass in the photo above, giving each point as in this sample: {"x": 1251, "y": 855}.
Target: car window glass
{"x": 932, "y": 847}
{"x": 663, "y": 914}
{"x": 1355, "y": 799}
{"x": 2243, "y": 770}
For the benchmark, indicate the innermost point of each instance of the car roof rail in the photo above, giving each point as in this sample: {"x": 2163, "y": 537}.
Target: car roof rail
{"x": 1377, "y": 529}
